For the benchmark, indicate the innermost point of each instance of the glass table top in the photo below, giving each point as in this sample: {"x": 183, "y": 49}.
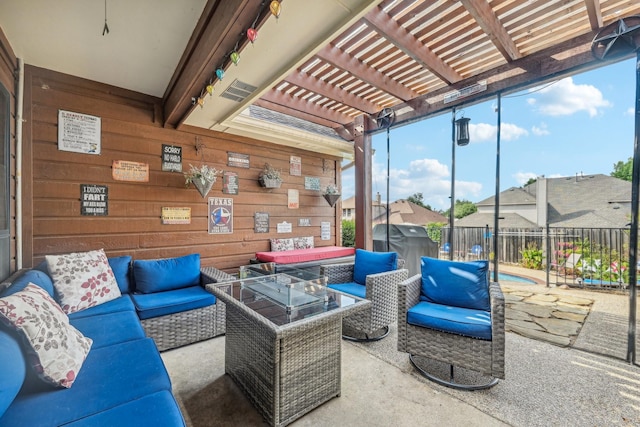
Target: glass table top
{"x": 283, "y": 298}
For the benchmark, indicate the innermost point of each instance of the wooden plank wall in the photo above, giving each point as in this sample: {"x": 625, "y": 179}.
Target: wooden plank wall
{"x": 132, "y": 131}
{"x": 8, "y": 66}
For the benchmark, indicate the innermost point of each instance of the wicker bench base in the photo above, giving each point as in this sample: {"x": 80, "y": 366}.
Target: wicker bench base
{"x": 187, "y": 327}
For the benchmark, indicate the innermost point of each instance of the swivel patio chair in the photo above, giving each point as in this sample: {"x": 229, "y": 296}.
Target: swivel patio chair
{"x": 451, "y": 313}
{"x": 374, "y": 276}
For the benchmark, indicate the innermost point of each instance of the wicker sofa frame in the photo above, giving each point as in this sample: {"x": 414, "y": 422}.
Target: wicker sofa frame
{"x": 188, "y": 327}
{"x": 382, "y": 291}
{"x": 483, "y": 356}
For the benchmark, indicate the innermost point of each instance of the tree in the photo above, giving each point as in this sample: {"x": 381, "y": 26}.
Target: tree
{"x": 416, "y": 198}
{"x": 530, "y": 181}
{"x": 462, "y": 208}
{"x": 622, "y": 170}
{"x": 348, "y": 233}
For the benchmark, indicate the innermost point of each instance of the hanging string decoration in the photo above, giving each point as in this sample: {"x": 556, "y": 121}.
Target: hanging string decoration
{"x": 233, "y": 57}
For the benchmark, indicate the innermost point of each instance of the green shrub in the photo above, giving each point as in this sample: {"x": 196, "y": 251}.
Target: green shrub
{"x": 532, "y": 257}
{"x": 348, "y": 233}
{"x": 434, "y": 231}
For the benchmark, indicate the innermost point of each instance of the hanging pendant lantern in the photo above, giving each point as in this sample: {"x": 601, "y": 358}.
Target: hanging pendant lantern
{"x": 275, "y": 8}
{"x": 235, "y": 57}
{"x": 462, "y": 131}
{"x": 252, "y": 34}
{"x": 201, "y": 101}
{"x": 220, "y": 73}
{"x": 210, "y": 89}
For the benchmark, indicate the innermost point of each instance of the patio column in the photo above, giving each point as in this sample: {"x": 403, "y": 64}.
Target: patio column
{"x": 363, "y": 158}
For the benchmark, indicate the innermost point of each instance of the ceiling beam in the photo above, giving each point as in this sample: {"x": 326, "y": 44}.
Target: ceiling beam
{"x": 569, "y": 57}
{"x": 302, "y": 109}
{"x": 364, "y": 72}
{"x": 411, "y": 46}
{"x": 492, "y": 27}
{"x": 321, "y": 87}
{"x": 594, "y": 12}
{"x": 215, "y": 35}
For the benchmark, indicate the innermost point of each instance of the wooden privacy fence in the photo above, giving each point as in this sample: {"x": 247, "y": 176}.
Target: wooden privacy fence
{"x": 583, "y": 257}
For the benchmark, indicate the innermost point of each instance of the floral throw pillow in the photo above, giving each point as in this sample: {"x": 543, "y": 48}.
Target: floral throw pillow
{"x": 278, "y": 245}
{"x": 303, "y": 242}
{"x": 55, "y": 349}
{"x": 82, "y": 280}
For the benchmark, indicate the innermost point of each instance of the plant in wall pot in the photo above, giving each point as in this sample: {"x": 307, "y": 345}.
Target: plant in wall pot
{"x": 331, "y": 194}
{"x": 202, "y": 178}
{"x": 270, "y": 177}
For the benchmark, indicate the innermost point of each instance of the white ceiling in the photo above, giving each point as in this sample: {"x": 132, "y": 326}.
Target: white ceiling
{"x": 148, "y": 37}
{"x": 140, "y": 52}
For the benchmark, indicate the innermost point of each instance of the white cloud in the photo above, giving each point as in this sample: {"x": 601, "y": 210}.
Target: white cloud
{"x": 540, "y": 130}
{"x": 426, "y": 176}
{"x": 522, "y": 177}
{"x": 630, "y": 111}
{"x": 565, "y": 98}
{"x": 483, "y": 132}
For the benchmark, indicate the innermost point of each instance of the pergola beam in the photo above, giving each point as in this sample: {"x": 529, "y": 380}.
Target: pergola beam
{"x": 594, "y": 12}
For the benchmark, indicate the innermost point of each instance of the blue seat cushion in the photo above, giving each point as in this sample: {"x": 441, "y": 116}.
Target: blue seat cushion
{"x": 159, "y": 409}
{"x": 170, "y": 302}
{"x": 122, "y": 303}
{"x": 351, "y": 288}
{"x": 367, "y": 262}
{"x": 166, "y": 274}
{"x": 455, "y": 320}
{"x": 456, "y": 283}
{"x": 111, "y": 328}
{"x": 36, "y": 277}
{"x": 12, "y": 370}
{"x": 110, "y": 376}
{"x": 121, "y": 267}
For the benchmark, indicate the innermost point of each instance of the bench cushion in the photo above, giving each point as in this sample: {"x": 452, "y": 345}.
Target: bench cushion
{"x": 170, "y": 302}
{"x": 123, "y": 303}
{"x": 351, "y": 288}
{"x": 12, "y": 370}
{"x": 111, "y": 376}
{"x": 121, "y": 267}
{"x": 455, "y": 320}
{"x": 109, "y": 329}
{"x": 304, "y": 255}
{"x": 31, "y": 276}
{"x": 161, "y": 275}
{"x": 159, "y": 409}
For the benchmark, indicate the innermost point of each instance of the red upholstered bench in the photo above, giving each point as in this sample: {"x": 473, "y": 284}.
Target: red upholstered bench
{"x": 305, "y": 255}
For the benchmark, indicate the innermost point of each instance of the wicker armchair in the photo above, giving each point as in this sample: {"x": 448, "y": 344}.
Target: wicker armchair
{"x": 484, "y": 356}
{"x": 373, "y": 323}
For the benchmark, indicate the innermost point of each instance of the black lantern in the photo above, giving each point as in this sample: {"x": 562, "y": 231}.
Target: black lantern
{"x": 462, "y": 131}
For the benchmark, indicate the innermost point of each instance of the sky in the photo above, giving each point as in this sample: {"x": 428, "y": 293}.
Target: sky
{"x": 582, "y": 124}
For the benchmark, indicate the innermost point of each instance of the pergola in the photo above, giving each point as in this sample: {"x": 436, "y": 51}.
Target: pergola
{"x": 336, "y": 65}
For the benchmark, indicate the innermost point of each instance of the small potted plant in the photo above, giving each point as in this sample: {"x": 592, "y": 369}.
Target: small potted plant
{"x": 270, "y": 177}
{"x": 202, "y": 178}
{"x": 331, "y": 194}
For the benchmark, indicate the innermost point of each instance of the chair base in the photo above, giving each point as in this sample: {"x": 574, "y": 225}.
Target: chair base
{"x": 451, "y": 382}
{"x": 368, "y": 338}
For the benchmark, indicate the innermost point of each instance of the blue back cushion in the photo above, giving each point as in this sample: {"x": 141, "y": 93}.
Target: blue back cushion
{"x": 455, "y": 283}
{"x": 36, "y": 277}
{"x": 120, "y": 266}
{"x": 12, "y": 370}
{"x": 166, "y": 274}
{"x": 368, "y": 262}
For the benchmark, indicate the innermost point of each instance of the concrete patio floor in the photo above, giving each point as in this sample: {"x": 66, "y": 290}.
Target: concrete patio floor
{"x": 587, "y": 383}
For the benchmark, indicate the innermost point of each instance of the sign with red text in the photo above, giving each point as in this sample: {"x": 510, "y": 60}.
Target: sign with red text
{"x": 220, "y": 215}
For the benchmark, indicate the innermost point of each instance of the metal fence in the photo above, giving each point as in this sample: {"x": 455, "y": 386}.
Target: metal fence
{"x": 579, "y": 257}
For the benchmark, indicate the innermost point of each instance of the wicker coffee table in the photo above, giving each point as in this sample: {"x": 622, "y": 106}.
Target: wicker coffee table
{"x": 283, "y": 341}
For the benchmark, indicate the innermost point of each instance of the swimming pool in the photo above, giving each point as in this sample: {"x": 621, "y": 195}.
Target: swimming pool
{"x": 513, "y": 278}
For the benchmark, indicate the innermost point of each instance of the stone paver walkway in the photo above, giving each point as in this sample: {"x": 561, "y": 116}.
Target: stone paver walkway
{"x": 553, "y": 318}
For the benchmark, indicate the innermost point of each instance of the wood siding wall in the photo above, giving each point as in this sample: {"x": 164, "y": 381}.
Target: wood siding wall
{"x": 132, "y": 131}
{"x": 8, "y": 66}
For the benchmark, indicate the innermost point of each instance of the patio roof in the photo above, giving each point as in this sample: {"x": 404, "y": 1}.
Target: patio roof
{"x": 325, "y": 62}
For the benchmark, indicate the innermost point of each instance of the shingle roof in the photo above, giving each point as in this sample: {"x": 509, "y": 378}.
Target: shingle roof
{"x": 405, "y": 212}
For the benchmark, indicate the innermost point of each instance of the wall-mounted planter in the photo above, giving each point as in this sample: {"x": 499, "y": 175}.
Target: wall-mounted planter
{"x": 331, "y": 198}
{"x": 203, "y": 187}
{"x": 270, "y": 182}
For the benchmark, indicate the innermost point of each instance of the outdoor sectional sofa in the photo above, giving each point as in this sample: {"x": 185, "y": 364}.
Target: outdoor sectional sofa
{"x": 122, "y": 378}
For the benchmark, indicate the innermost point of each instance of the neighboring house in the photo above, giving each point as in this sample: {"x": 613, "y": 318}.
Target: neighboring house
{"x": 349, "y": 208}
{"x": 405, "y": 212}
{"x": 588, "y": 201}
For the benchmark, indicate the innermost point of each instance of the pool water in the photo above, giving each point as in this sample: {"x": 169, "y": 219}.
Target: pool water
{"x": 513, "y": 278}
